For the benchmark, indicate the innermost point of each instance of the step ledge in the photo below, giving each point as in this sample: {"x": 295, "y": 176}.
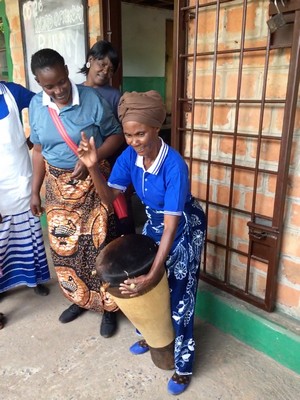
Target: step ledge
{"x": 279, "y": 339}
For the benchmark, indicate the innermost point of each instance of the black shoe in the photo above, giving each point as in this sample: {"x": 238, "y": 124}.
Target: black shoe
{"x": 108, "y": 324}
{"x": 71, "y": 313}
{"x": 41, "y": 290}
{"x": 2, "y": 320}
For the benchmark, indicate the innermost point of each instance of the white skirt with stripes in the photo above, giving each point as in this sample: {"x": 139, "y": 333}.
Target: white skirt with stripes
{"x": 23, "y": 258}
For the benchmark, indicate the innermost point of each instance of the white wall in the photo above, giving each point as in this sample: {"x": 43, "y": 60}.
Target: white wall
{"x": 143, "y": 40}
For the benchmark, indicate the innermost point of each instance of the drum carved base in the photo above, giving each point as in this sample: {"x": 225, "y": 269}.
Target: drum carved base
{"x": 163, "y": 357}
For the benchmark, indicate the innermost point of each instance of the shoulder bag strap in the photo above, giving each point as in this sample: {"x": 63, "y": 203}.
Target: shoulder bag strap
{"x": 119, "y": 204}
{"x": 62, "y": 130}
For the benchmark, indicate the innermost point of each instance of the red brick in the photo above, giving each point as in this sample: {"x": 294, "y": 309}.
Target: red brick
{"x": 291, "y": 270}
{"x": 257, "y": 285}
{"x": 295, "y": 214}
{"x": 276, "y": 85}
{"x": 239, "y": 228}
{"x": 244, "y": 178}
{"x": 288, "y": 296}
{"x": 216, "y": 217}
{"x": 264, "y": 205}
{"x": 290, "y": 245}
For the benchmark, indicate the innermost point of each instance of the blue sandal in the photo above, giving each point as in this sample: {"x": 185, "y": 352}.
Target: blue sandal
{"x": 139, "y": 347}
{"x": 178, "y": 383}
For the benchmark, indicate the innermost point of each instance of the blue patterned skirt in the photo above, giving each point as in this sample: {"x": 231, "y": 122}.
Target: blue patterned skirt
{"x": 22, "y": 253}
{"x": 182, "y": 265}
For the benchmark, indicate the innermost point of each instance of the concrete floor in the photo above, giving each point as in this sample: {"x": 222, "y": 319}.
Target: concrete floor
{"x": 42, "y": 359}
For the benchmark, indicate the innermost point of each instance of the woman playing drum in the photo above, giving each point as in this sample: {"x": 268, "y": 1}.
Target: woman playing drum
{"x": 176, "y": 220}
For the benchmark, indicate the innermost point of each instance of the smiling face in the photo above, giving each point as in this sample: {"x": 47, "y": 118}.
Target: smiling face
{"x": 55, "y": 82}
{"x": 100, "y": 72}
{"x": 143, "y": 138}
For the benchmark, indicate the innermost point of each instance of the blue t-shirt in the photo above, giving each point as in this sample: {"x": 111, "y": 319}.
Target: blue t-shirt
{"x": 21, "y": 94}
{"x": 92, "y": 115}
{"x": 111, "y": 95}
{"x": 164, "y": 186}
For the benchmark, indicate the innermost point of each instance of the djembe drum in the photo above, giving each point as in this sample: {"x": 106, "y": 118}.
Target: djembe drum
{"x": 130, "y": 256}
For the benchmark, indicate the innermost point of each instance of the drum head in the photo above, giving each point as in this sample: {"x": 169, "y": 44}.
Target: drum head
{"x": 128, "y": 256}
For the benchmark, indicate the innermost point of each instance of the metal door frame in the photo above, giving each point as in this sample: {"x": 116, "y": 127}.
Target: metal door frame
{"x": 265, "y": 238}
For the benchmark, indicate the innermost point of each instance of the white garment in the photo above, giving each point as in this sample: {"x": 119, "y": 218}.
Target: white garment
{"x": 15, "y": 162}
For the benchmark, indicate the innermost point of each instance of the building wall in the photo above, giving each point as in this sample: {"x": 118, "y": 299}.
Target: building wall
{"x": 288, "y": 295}
{"x": 16, "y": 46}
{"x": 288, "y": 299}
{"x": 144, "y": 48}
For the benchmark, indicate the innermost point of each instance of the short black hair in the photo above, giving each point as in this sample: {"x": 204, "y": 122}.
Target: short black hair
{"x": 100, "y": 50}
{"x": 46, "y": 58}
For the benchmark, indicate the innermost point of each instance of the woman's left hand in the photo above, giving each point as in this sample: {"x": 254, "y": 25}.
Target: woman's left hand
{"x": 80, "y": 171}
{"x": 136, "y": 286}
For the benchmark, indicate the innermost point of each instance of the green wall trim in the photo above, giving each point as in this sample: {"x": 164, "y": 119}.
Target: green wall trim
{"x": 7, "y": 40}
{"x": 264, "y": 335}
{"x": 144, "y": 83}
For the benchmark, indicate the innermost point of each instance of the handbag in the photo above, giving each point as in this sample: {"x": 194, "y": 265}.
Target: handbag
{"x": 119, "y": 204}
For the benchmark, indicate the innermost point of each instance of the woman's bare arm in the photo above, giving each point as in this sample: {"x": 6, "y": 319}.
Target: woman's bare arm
{"x": 38, "y": 176}
{"x": 87, "y": 153}
{"x": 141, "y": 283}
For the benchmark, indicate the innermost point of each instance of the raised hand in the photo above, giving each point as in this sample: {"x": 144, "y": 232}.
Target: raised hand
{"x": 87, "y": 151}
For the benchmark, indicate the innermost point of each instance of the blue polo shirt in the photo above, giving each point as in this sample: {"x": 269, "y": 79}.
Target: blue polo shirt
{"x": 89, "y": 113}
{"x": 21, "y": 94}
{"x": 163, "y": 187}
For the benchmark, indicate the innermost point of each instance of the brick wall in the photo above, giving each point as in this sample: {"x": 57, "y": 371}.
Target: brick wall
{"x": 222, "y": 146}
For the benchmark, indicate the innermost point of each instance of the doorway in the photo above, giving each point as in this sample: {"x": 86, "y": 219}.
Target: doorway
{"x": 142, "y": 33}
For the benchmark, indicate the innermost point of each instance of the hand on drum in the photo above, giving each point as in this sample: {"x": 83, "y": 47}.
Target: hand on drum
{"x": 135, "y": 286}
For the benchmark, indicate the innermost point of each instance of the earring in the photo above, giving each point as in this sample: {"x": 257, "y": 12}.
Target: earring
{"x": 88, "y": 64}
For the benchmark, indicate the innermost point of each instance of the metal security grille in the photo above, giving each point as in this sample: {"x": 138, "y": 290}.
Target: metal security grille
{"x": 235, "y": 98}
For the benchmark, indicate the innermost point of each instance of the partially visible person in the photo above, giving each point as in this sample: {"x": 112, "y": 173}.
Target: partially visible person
{"x": 102, "y": 61}
{"x": 2, "y": 316}
{"x": 79, "y": 222}
{"x": 22, "y": 253}
{"x": 176, "y": 221}
{"x": 2, "y": 320}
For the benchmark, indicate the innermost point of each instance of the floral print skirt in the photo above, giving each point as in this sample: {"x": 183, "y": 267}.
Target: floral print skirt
{"x": 182, "y": 265}
{"x": 79, "y": 226}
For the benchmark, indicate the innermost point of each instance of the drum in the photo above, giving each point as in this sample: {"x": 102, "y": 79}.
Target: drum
{"x": 130, "y": 256}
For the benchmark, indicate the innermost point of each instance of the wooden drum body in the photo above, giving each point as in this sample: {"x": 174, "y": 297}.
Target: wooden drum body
{"x": 128, "y": 257}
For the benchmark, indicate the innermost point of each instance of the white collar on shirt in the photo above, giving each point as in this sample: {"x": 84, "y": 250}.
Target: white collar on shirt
{"x": 75, "y": 98}
{"x": 155, "y": 167}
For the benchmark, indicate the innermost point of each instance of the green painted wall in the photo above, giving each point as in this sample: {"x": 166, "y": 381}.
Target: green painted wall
{"x": 144, "y": 83}
{"x": 273, "y": 339}
{"x": 7, "y": 40}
